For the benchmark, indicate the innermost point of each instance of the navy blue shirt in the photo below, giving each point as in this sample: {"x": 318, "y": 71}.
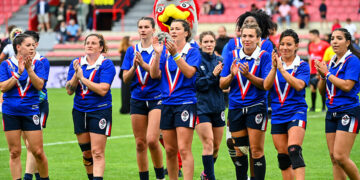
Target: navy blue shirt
{"x": 143, "y": 87}
{"x": 348, "y": 68}
{"x": 242, "y": 92}
{"x": 210, "y": 98}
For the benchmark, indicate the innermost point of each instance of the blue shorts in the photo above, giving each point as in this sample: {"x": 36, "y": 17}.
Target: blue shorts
{"x": 347, "y": 120}
{"x": 24, "y": 123}
{"x": 297, "y": 119}
{"x": 98, "y": 122}
{"x": 254, "y": 117}
{"x": 173, "y": 116}
{"x": 44, "y": 113}
{"x": 216, "y": 119}
{"x": 143, "y": 107}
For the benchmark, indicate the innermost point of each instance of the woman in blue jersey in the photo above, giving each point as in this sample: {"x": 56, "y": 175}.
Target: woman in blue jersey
{"x": 244, "y": 71}
{"x": 21, "y": 78}
{"x": 145, "y": 103}
{"x": 31, "y": 167}
{"x": 340, "y": 82}
{"x": 286, "y": 81}
{"x": 210, "y": 103}
{"x": 176, "y": 66}
{"x": 90, "y": 78}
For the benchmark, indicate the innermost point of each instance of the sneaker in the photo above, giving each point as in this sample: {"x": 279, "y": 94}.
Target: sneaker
{"x": 312, "y": 109}
{"x": 180, "y": 173}
{"x": 166, "y": 172}
{"x": 203, "y": 176}
{"x": 323, "y": 109}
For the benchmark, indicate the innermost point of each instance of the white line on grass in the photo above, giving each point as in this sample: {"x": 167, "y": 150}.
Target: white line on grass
{"x": 72, "y": 142}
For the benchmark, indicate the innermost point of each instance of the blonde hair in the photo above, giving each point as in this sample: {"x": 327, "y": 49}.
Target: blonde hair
{"x": 124, "y": 44}
{"x": 14, "y": 33}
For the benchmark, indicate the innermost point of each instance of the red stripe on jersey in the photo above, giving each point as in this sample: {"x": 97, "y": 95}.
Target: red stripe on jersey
{"x": 331, "y": 96}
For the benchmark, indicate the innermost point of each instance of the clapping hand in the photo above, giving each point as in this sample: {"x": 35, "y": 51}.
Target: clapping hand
{"x": 218, "y": 68}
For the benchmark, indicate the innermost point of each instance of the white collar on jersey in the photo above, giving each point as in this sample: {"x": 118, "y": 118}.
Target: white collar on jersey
{"x": 332, "y": 61}
{"x": 148, "y": 50}
{"x": 186, "y": 48}
{"x": 16, "y": 62}
{"x": 37, "y": 56}
{"x": 296, "y": 62}
{"x": 96, "y": 64}
{"x": 254, "y": 55}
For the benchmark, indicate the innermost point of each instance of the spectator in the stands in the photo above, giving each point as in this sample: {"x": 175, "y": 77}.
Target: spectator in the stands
{"x": 254, "y": 8}
{"x": 271, "y": 7}
{"x": 221, "y": 40}
{"x": 206, "y": 7}
{"x": 303, "y": 17}
{"x": 82, "y": 12}
{"x": 62, "y": 32}
{"x": 72, "y": 31}
{"x": 8, "y": 51}
{"x": 218, "y": 8}
{"x": 70, "y": 13}
{"x": 43, "y": 15}
{"x": 351, "y": 27}
{"x": 60, "y": 13}
{"x": 284, "y": 10}
{"x": 336, "y": 25}
{"x": 297, "y": 3}
{"x": 323, "y": 10}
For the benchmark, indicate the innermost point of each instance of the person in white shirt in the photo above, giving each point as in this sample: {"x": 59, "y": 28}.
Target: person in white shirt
{"x": 351, "y": 27}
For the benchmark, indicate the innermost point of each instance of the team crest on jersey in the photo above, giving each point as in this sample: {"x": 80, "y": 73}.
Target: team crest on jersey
{"x": 258, "y": 118}
{"x": 36, "y": 119}
{"x": 223, "y": 115}
{"x": 345, "y": 120}
{"x": 185, "y": 115}
{"x": 102, "y": 123}
{"x": 159, "y": 102}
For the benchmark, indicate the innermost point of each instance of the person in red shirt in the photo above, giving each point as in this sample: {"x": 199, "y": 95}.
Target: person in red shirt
{"x": 336, "y": 25}
{"x": 316, "y": 50}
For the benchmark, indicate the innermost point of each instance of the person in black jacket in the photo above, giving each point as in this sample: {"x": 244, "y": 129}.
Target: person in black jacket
{"x": 210, "y": 106}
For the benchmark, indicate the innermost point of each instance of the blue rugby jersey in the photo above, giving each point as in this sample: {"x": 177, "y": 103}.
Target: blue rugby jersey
{"x": 285, "y": 100}
{"x": 43, "y": 93}
{"x": 23, "y": 98}
{"x": 102, "y": 71}
{"x": 235, "y": 43}
{"x": 242, "y": 92}
{"x": 176, "y": 88}
{"x": 348, "y": 68}
{"x": 143, "y": 87}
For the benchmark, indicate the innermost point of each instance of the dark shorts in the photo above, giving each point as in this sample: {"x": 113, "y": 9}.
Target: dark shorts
{"x": 314, "y": 80}
{"x": 284, "y": 127}
{"x": 347, "y": 120}
{"x": 98, "y": 122}
{"x": 254, "y": 117}
{"x": 173, "y": 116}
{"x": 143, "y": 107}
{"x": 323, "y": 16}
{"x": 216, "y": 119}
{"x": 24, "y": 123}
{"x": 44, "y": 113}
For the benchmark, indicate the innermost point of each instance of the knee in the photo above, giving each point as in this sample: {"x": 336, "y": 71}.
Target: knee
{"x": 339, "y": 158}
{"x": 284, "y": 161}
{"x": 295, "y": 153}
{"x": 38, "y": 153}
{"x": 208, "y": 145}
{"x": 15, "y": 153}
{"x": 153, "y": 143}
{"x": 257, "y": 152}
{"x": 332, "y": 158}
{"x": 87, "y": 154}
{"x": 97, "y": 154}
{"x": 171, "y": 152}
{"x": 140, "y": 145}
{"x": 185, "y": 151}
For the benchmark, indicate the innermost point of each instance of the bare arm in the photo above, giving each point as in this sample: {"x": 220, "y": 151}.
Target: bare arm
{"x": 72, "y": 85}
{"x": 295, "y": 83}
{"x": 226, "y": 81}
{"x": 37, "y": 82}
{"x": 269, "y": 80}
{"x": 321, "y": 86}
{"x": 155, "y": 72}
{"x": 129, "y": 74}
{"x": 8, "y": 84}
{"x": 185, "y": 68}
{"x": 99, "y": 88}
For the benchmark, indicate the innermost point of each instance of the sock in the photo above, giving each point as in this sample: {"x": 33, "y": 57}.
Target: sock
{"x": 260, "y": 168}
{"x": 47, "y": 178}
{"x": 241, "y": 166}
{"x": 90, "y": 176}
{"x": 159, "y": 173}
{"x": 313, "y": 99}
{"x": 208, "y": 163}
{"x": 28, "y": 176}
{"x": 98, "y": 178}
{"x": 323, "y": 98}
{"x": 37, "y": 175}
{"x": 215, "y": 159}
{"x": 143, "y": 175}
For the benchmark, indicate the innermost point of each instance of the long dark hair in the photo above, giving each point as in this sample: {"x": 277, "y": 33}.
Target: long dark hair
{"x": 291, "y": 33}
{"x": 186, "y": 27}
{"x": 348, "y": 38}
{"x": 263, "y": 20}
{"x": 18, "y": 40}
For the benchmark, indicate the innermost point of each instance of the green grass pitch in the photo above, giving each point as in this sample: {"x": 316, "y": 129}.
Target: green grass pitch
{"x": 65, "y": 159}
